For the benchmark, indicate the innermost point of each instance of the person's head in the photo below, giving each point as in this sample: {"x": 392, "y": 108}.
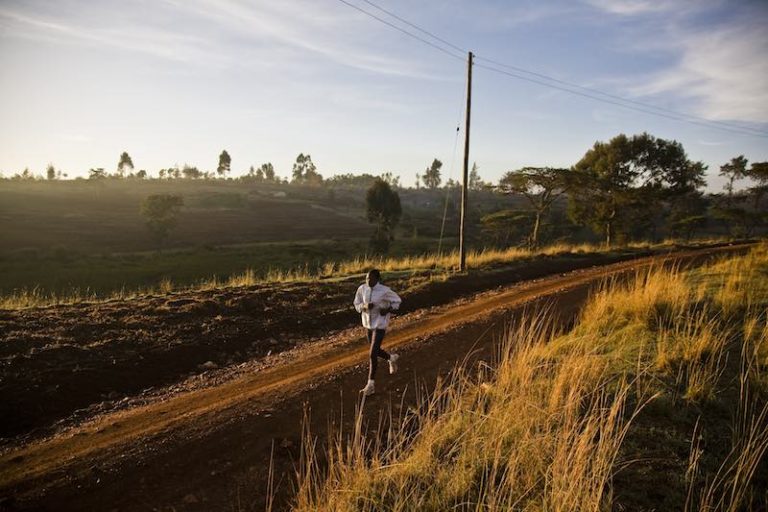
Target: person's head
{"x": 373, "y": 277}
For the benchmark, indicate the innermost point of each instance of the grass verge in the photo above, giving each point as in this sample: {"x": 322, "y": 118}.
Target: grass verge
{"x": 655, "y": 400}
{"x": 436, "y": 265}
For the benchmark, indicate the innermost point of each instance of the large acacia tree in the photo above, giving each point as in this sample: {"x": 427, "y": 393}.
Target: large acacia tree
{"x": 541, "y": 186}
{"x": 626, "y": 179}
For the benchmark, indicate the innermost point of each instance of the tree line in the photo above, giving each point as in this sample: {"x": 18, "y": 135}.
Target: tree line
{"x": 629, "y": 186}
{"x": 624, "y": 188}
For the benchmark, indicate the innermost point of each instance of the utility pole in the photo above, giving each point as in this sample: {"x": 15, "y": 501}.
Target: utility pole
{"x": 462, "y": 243}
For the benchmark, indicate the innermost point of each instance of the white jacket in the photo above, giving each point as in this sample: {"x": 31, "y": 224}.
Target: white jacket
{"x": 376, "y": 298}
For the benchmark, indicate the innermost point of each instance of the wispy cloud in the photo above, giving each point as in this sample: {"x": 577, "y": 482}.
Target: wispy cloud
{"x": 709, "y": 143}
{"x": 224, "y": 33}
{"x": 303, "y": 26}
{"x": 716, "y": 52}
{"x": 631, "y": 7}
{"x": 157, "y": 43}
{"x": 723, "y": 71}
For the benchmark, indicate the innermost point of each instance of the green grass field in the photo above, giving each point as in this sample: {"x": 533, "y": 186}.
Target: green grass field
{"x": 62, "y": 272}
{"x": 88, "y": 237}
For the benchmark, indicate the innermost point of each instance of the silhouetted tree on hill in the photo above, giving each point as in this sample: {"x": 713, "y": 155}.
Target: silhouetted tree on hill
{"x": 160, "y": 213}
{"x": 125, "y": 164}
{"x": 225, "y": 164}
{"x": 383, "y": 209}
{"x": 431, "y": 176}
{"x": 305, "y": 172}
{"x": 268, "y": 171}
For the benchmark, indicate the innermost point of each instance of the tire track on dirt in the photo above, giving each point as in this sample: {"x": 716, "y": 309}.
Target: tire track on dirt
{"x": 48, "y": 460}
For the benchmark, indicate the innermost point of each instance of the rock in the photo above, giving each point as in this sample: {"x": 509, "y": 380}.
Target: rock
{"x": 209, "y": 365}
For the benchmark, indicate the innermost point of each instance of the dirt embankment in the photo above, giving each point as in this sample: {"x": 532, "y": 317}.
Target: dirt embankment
{"x": 59, "y": 365}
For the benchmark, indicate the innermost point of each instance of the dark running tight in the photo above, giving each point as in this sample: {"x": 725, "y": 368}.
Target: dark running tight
{"x": 375, "y": 337}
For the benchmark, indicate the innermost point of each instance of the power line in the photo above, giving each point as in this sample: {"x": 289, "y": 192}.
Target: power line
{"x": 413, "y": 25}
{"x": 591, "y": 93}
{"x": 619, "y": 104}
{"x": 399, "y": 29}
{"x": 745, "y": 129}
{"x": 627, "y": 100}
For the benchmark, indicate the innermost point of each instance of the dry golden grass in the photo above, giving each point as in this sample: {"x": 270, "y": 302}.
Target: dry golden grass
{"x": 439, "y": 265}
{"x": 530, "y": 435}
{"x": 543, "y": 429}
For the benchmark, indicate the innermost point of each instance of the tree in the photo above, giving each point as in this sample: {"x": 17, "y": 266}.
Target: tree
{"x": 743, "y": 211}
{"x": 305, "y": 172}
{"x": 759, "y": 174}
{"x": 383, "y": 209}
{"x": 391, "y": 179}
{"x": 160, "y": 213}
{"x": 503, "y": 226}
{"x": 541, "y": 186}
{"x": 617, "y": 182}
{"x": 191, "y": 172}
{"x": 688, "y": 213}
{"x": 259, "y": 174}
{"x": 50, "y": 172}
{"x": 475, "y": 182}
{"x": 125, "y": 164}
{"x": 25, "y": 175}
{"x": 225, "y": 164}
{"x": 431, "y": 176}
{"x": 734, "y": 170}
{"x": 268, "y": 171}
{"x": 97, "y": 174}
{"x": 142, "y": 174}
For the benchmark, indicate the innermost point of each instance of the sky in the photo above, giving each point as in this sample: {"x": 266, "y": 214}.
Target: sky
{"x": 174, "y": 82}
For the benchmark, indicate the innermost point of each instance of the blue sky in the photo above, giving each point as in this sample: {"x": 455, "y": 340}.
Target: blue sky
{"x": 177, "y": 81}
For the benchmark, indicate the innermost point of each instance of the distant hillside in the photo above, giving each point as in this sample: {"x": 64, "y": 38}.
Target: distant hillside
{"x": 104, "y": 216}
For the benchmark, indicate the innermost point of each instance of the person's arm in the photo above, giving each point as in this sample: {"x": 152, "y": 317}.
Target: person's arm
{"x": 359, "y": 300}
{"x": 393, "y": 299}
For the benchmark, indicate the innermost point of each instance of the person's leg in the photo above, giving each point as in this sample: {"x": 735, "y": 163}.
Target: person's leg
{"x": 375, "y": 337}
{"x": 380, "y": 333}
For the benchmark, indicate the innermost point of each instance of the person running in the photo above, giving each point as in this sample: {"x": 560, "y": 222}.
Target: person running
{"x": 375, "y": 302}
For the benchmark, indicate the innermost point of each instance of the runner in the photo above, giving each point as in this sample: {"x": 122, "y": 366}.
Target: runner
{"x": 374, "y": 302}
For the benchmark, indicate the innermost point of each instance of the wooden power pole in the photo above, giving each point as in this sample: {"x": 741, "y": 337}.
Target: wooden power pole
{"x": 462, "y": 242}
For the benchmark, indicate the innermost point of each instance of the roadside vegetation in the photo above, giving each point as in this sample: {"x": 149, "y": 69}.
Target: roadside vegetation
{"x": 324, "y": 267}
{"x": 657, "y": 399}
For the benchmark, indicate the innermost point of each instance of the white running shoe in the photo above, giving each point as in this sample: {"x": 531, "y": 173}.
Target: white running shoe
{"x": 369, "y": 389}
{"x": 393, "y": 363}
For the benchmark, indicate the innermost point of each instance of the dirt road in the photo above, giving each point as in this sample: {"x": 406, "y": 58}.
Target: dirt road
{"x": 209, "y": 448}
